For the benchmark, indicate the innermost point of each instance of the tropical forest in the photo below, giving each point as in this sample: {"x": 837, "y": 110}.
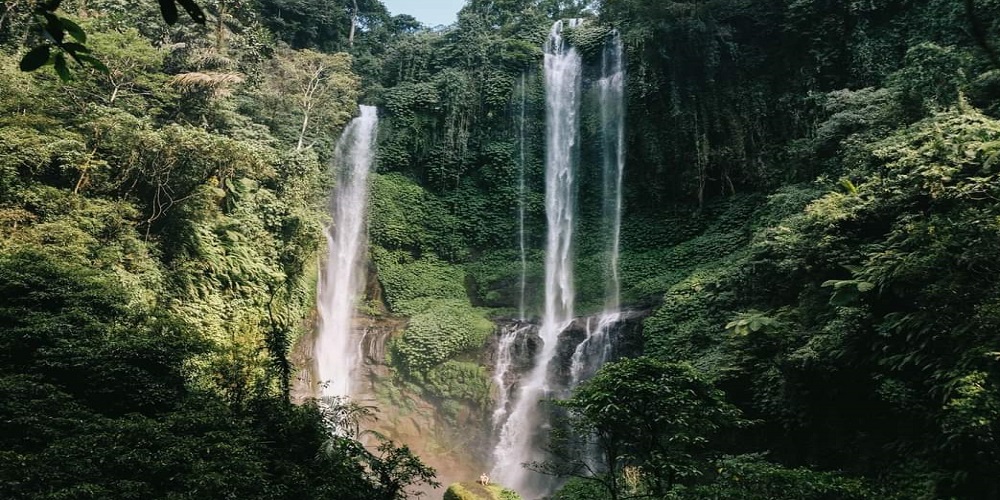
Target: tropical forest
{"x": 546, "y": 250}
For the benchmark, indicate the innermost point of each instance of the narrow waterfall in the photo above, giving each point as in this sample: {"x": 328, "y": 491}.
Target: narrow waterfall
{"x": 520, "y": 194}
{"x": 519, "y": 438}
{"x": 594, "y": 351}
{"x": 341, "y": 278}
{"x": 611, "y": 88}
{"x": 510, "y": 346}
{"x": 596, "y": 348}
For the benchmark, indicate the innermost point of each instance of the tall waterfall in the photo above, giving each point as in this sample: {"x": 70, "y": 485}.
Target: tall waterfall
{"x": 595, "y": 349}
{"x": 519, "y": 437}
{"x": 341, "y": 278}
{"x": 522, "y": 146}
{"x": 611, "y": 88}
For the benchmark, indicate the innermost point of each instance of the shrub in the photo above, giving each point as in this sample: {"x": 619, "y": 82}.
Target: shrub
{"x": 459, "y": 381}
{"x": 406, "y": 279}
{"x": 439, "y": 331}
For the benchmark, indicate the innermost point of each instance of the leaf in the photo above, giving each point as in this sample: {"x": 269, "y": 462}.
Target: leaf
{"x": 168, "y": 10}
{"x": 864, "y": 286}
{"x": 54, "y": 27}
{"x": 35, "y": 58}
{"x": 844, "y": 297}
{"x": 94, "y": 62}
{"x": 849, "y": 186}
{"x": 75, "y": 48}
{"x": 61, "y": 68}
{"x": 74, "y": 30}
{"x": 193, "y": 10}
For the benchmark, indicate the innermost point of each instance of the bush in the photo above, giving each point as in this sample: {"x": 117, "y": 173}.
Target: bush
{"x": 476, "y": 491}
{"x": 458, "y": 380}
{"x": 439, "y": 331}
{"x": 406, "y": 279}
{"x": 752, "y": 478}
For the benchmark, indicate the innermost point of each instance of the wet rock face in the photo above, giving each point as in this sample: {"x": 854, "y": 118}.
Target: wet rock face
{"x": 524, "y": 349}
{"x": 451, "y": 436}
{"x": 585, "y": 345}
{"x": 457, "y": 441}
{"x": 624, "y": 339}
{"x": 375, "y": 335}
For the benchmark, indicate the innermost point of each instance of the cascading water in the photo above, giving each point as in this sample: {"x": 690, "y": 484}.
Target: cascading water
{"x": 520, "y": 195}
{"x": 511, "y": 344}
{"x": 518, "y": 443}
{"x": 596, "y": 347}
{"x": 595, "y": 350}
{"x": 341, "y": 278}
{"x": 611, "y": 88}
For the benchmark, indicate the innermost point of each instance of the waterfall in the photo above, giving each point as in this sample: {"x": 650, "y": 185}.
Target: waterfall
{"x": 611, "y": 88}
{"x": 508, "y": 349}
{"x": 341, "y": 278}
{"x": 518, "y": 438}
{"x": 520, "y": 196}
{"x": 594, "y": 351}
{"x": 596, "y": 348}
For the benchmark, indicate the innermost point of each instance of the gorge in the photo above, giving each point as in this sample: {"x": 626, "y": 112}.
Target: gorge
{"x": 590, "y": 250}
{"x": 517, "y": 413}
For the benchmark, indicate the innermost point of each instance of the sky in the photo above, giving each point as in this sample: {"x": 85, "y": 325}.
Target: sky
{"x": 429, "y": 12}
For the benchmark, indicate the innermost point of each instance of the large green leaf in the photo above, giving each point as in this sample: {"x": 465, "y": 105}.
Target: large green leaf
{"x": 61, "y": 68}
{"x": 35, "y": 58}
{"x": 74, "y": 30}
{"x": 169, "y": 11}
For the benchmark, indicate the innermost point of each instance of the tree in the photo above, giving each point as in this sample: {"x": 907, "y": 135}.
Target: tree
{"x": 394, "y": 468}
{"x": 318, "y": 89}
{"x": 647, "y": 414}
{"x": 59, "y": 37}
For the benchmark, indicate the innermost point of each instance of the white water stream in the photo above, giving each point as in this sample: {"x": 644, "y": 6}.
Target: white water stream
{"x": 611, "y": 89}
{"x": 520, "y": 194}
{"x": 341, "y": 278}
{"x": 519, "y": 441}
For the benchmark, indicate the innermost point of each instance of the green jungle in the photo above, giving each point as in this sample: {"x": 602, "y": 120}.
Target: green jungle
{"x": 811, "y": 229}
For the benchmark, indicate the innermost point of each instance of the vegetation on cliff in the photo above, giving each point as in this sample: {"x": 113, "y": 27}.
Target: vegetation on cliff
{"x": 476, "y": 491}
{"x": 811, "y": 193}
{"x": 813, "y": 213}
{"x": 159, "y": 225}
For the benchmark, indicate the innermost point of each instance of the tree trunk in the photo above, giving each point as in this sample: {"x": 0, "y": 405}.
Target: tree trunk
{"x": 219, "y": 27}
{"x": 302, "y": 133}
{"x": 308, "y": 103}
{"x": 354, "y": 24}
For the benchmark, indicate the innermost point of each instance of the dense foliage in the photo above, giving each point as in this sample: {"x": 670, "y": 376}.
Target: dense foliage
{"x": 811, "y": 195}
{"x": 812, "y": 198}
{"x": 159, "y": 225}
